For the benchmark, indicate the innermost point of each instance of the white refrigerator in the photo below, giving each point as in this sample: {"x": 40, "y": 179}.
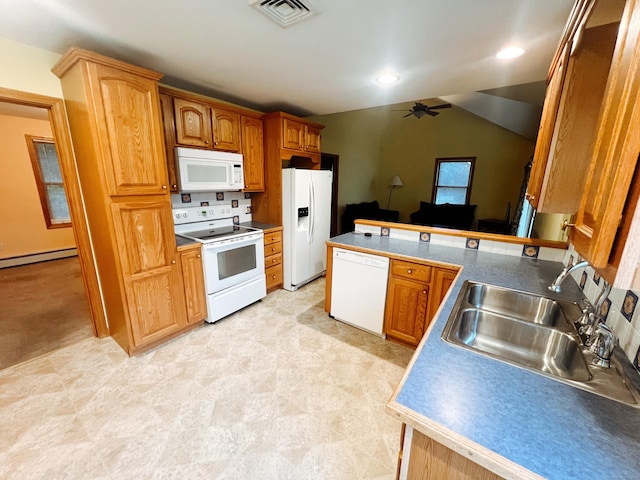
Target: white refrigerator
{"x": 306, "y": 223}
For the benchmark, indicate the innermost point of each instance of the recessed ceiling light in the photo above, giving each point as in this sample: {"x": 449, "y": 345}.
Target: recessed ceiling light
{"x": 510, "y": 52}
{"x": 387, "y": 78}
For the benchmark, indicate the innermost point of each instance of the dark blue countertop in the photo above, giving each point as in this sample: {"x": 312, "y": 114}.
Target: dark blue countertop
{"x": 551, "y": 429}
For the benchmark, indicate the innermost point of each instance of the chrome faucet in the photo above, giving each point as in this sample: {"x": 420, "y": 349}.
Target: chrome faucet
{"x": 555, "y": 286}
{"x": 604, "y": 341}
{"x": 592, "y": 316}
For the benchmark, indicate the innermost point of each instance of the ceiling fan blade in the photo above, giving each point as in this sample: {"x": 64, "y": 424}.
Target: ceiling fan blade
{"x": 433, "y": 114}
{"x": 444, "y": 105}
{"x": 407, "y": 115}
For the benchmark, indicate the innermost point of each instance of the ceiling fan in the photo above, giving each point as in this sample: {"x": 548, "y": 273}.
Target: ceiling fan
{"x": 419, "y": 110}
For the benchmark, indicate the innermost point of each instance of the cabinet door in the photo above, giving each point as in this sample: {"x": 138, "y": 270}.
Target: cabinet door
{"x": 615, "y": 149}
{"x": 131, "y": 141}
{"x": 193, "y": 279}
{"x": 292, "y": 134}
{"x": 312, "y": 139}
{"x": 253, "y": 152}
{"x": 576, "y": 125}
{"x": 146, "y": 245}
{"x": 168, "y": 121}
{"x": 406, "y": 310}
{"x": 546, "y": 129}
{"x": 193, "y": 124}
{"x": 226, "y": 130}
{"x": 442, "y": 280}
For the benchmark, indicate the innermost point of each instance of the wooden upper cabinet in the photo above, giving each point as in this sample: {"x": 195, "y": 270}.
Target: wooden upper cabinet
{"x": 192, "y": 123}
{"x": 169, "y": 123}
{"x": 292, "y": 134}
{"x": 300, "y": 136}
{"x": 312, "y": 138}
{"x": 546, "y": 129}
{"x": 131, "y": 139}
{"x": 615, "y": 154}
{"x": 562, "y": 161}
{"x": 226, "y": 130}
{"x": 253, "y": 151}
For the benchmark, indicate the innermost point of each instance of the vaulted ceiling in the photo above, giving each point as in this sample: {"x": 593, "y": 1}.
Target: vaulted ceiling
{"x": 323, "y": 64}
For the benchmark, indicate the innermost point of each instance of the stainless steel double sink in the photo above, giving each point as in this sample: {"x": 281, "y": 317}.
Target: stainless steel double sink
{"x": 536, "y": 333}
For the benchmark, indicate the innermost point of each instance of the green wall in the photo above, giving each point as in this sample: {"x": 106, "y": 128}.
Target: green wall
{"x": 377, "y": 143}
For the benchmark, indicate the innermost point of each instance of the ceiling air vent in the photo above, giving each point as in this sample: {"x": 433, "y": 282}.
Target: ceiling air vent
{"x": 284, "y": 12}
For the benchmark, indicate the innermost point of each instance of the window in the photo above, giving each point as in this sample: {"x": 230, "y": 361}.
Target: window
{"x": 452, "y": 180}
{"x": 46, "y": 168}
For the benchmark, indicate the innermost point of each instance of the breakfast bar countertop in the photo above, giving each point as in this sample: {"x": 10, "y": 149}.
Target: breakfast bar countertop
{"x": 514, "y": 422}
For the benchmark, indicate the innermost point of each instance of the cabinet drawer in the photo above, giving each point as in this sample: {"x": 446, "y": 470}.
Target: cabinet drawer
{"x": 273, "y": 237}
{"x": 274, "y": 276}
{"x": 272, "y": 249}
{"x": 272, "y": 260}
{"x": 410, "y": 271}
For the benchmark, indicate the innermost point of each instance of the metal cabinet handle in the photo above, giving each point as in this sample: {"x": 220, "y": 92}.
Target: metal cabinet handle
{"x": 565, "y": 224}
{"x": 173, "y": 261}
{"x": 164, "y": 187}
{"x": 409, "y": 271}
{"x": 198, "y": 256}
{"x": 424, "y": 292}
{"x": 174, "y": 187}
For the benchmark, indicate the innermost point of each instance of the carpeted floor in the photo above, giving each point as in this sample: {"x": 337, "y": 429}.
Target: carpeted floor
{"x": 43, "y": 306}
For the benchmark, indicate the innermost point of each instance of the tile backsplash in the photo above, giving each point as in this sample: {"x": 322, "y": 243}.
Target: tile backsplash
{"x": 621, "y": 311}
{"x": 239, "y": 202}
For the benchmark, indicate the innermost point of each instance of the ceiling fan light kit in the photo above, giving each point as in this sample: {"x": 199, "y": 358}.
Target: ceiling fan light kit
{"x": 419, "y": 110}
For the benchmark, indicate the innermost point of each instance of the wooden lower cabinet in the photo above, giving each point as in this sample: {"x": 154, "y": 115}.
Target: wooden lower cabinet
{"x": 442, "y": 280}
{"x": 193, "y": 282}
{"x": 273, "y": 258}
{"x": 151, "y": 275}
{"x": 414, "y": 294}
{"x": 427, "y": 459}
{"x": 407, "y": 301}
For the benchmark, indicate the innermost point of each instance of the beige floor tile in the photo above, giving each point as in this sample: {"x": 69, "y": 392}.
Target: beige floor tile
{"x": 276, "y": 391}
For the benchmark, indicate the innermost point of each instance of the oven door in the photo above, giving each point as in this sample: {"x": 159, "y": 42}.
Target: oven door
{"x": 234, "y": 261}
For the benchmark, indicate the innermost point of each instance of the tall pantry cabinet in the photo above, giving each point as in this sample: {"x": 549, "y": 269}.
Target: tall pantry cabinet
{"x": 115, "y": 120}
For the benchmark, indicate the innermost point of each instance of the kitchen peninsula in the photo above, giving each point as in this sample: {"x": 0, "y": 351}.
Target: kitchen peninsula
{"x": 501, "y": 420}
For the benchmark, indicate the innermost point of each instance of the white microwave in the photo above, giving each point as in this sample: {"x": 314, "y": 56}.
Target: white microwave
{"x": 209, "y": 170}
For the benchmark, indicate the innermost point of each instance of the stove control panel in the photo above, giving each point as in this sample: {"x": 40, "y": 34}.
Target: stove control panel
{"x": 198, "y": 214}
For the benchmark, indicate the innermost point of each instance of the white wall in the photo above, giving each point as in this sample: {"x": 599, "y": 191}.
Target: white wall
{"x": 28, "y": 69}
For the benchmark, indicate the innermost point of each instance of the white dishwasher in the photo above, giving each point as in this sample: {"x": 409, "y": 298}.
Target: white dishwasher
{"x": 359, "y": 289}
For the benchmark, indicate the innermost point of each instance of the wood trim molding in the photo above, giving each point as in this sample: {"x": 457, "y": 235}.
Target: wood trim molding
{"x": 75, "y": 54}
{"x": 465, "y": 233}
{"x": 62, "y": 138}
{"x": 209, "y": 101}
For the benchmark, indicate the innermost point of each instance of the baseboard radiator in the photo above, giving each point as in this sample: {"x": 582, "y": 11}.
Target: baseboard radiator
{"x": 38, "y": 257}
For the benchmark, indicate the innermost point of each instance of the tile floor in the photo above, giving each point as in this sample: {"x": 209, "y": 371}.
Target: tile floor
{"x": 276, "y": 391}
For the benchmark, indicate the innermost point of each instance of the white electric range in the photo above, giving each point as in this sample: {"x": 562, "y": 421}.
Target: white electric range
{"x": 232, "y": 257}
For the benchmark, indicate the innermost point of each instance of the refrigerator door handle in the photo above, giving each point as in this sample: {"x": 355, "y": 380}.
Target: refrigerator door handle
{"x": 312, "y": 213}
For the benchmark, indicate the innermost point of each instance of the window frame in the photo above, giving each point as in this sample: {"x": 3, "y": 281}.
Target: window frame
{"x": 41, "y": 184}
{"x": 436, "y": 175}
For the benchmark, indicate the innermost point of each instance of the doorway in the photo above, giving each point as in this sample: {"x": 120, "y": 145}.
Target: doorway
{"x": 329, "y": 161}
{"x": 78, "y": 272}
